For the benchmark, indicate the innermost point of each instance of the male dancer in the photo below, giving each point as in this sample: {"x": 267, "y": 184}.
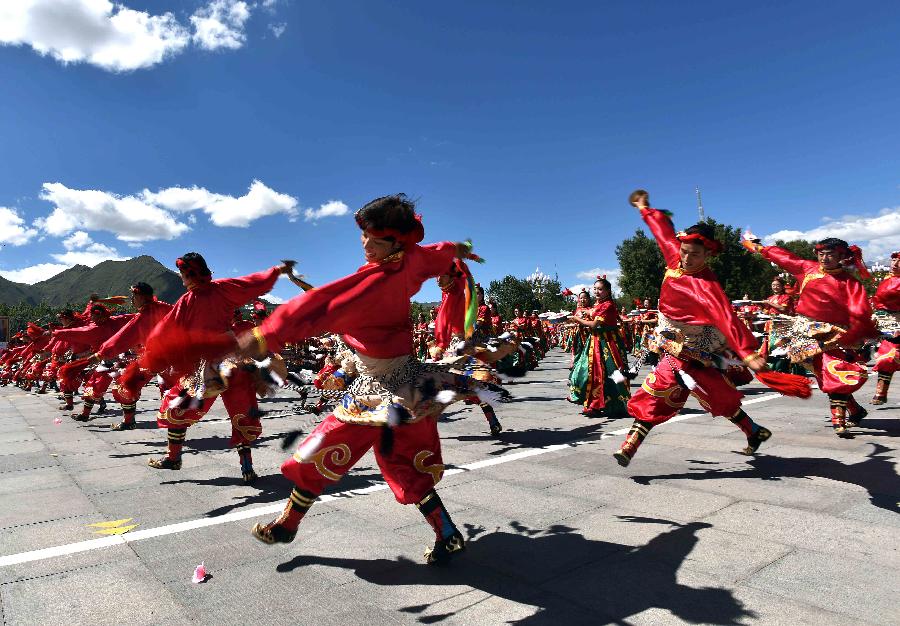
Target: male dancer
{"x": 834, "y": 317}
{"x": 697, "y": 326}
{"x": 149, "y": 312}
{"x": 371, "y": 309}
{"x": 102, "y": 327}
{"x": 207, "y": 309}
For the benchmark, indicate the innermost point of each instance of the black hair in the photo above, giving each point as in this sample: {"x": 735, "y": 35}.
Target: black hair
{"x": 830, "y": 243}
{"x": 779, "y": 279}
{"x": 195, "y": 262}
{"x": 143, "y": 288}
{"x": 605, "y": 283}
{"x": 67, "y": 313}
{"x": 702, "y": 229}
{"x": 396, "y": 212}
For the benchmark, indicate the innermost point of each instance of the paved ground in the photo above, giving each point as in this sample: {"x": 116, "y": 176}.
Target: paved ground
{"x": 805, "y": 533}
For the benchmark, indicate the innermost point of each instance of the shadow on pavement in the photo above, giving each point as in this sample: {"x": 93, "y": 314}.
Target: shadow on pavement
{"x": 618, "y": 580}
{"x": 511, "y": 440}
{"x": 876, "y": 474}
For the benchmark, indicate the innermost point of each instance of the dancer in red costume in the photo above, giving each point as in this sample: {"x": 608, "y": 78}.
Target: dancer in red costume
{"x": 149, "y": 312}
{"x": 833, "y": 318}
{"x": 102, "y": 327}
{"x": 887, "y": 312}
{"x": 207, "y": 309}
{"x": 697, "y": 326}
{"x": 370, "y": 308}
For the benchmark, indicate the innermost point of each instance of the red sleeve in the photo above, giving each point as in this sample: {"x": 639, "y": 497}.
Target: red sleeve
{"x": 130, "y": 335}
{"x": 81, "y": 335}
{"x": 661, "y": 226}
{"x": 239, "y": 291}
{"x": 430, "y": 261}
{"x": 606, "y": 313}
{"x": 789, "y": 261}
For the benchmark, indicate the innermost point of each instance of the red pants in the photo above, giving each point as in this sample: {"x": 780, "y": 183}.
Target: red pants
{"x": 837, "y": 372}
{"x": 96, "y": 385}
{"x": 240, "y": 403}
{"x": 411, "y": 470}
{"x": 888, "y": 358}
{"x": 662, "y": 396}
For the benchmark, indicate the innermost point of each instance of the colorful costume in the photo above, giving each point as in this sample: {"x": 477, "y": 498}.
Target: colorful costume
{"x": 130, "y": 337}
{"x": 370, "y": 308}
{"x": 697, "y": 326}
{"x": 208, "y": 309}
{"x": 97, "y": 382}
{"x": 604, "y": 355}
{"x": 886, "y": 303}
{"x": 833, "y": 318}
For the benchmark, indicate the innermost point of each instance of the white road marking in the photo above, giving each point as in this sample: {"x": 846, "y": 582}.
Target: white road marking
{"x": 271, "y": 509}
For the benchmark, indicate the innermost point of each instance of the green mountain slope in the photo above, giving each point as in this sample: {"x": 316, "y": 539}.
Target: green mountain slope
{"x": 110, "y": 278}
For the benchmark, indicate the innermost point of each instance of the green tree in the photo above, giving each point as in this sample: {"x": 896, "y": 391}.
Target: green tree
{"x": 642, "y": 268}
{"x": 512, "y": 293}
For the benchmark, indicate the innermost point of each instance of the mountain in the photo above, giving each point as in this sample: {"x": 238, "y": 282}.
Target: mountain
{"x": 110, "y": 278}
{"x": 13, "y": 293}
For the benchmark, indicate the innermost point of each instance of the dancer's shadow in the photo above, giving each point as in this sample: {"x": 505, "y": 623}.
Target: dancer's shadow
{"x": 876, "y": 474}
{"x": 618, "y": 580}
{"x": 511, "y": 440}
{"x": 888, "y": 427}
{"x": 193, "y": 446}
{"x": 271, "y": 488}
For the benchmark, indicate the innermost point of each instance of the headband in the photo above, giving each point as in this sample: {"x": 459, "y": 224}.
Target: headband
{"x": 195, "y": 266}
{"x": 409, "y": 238}
{"x": 712, "y": 245}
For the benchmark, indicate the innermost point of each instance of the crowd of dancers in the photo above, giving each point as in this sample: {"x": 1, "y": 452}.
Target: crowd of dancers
{"x": 383, "y": 379}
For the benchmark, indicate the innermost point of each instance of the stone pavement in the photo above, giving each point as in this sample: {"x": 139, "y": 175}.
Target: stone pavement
{"x": 691, "y": 532}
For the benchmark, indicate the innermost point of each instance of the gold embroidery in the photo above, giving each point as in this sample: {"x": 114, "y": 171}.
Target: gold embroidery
{"x": 250, "y": 432}
{"x": 665, "y": 394}
{"x": 809, "y": 277}
{"x": 338, "y": 455}
{"x": 851, "y": 377}
{"x": 436, "y": 471}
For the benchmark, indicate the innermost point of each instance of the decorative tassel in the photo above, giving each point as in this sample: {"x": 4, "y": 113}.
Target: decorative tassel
{"x": 786, "y": 384}
{"x": 310, "y": 446}
{"x": 290, "y": 439}
{"x": 445, "y": 397}
{"x": 686, "y": 379}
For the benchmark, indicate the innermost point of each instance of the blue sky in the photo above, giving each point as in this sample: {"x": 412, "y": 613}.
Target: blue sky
{"x": 521, "y": 125}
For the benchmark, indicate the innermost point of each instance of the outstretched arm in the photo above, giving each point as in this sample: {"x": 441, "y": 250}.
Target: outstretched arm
{"x": 660, "y": 225}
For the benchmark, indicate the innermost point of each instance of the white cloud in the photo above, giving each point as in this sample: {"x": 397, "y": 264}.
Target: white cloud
{"x": 148, "y": 215}
{"x": 98, "y": 32}
{"x": 34, "y": 273}
{"x": 220, "y": 24}
{"x": 128, "y": 217}
{"x": 332, "y": 208}
{"x": 12, "y": 228}
{"x": 278, "y": 29}
{"x": 612, "y": 275}
{"x": 273, "y": 299}
{"x": 79, "y": 239}
{"x": 224, "y": 210}
{"x": 878, "y": 235}
{"x": 82, "y": 250}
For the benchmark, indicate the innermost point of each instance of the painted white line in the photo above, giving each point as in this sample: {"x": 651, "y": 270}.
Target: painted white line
{"x": 271, "y": 509}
